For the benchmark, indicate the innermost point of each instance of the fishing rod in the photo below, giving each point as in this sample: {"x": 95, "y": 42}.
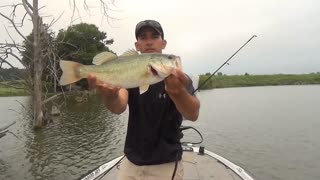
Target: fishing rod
{"x": 226, "y": 62}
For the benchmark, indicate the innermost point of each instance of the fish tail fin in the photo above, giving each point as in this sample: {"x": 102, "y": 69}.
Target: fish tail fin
{"x": 70, "y": 72}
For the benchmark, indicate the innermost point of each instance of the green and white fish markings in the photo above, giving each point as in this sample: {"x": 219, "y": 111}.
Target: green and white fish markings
{"x": 127, "y": 71}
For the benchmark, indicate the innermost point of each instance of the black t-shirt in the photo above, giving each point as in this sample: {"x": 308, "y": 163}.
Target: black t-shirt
{"x": 153, "y": 135}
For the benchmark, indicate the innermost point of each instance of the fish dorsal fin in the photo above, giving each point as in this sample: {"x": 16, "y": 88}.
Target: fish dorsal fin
{"x": 130, "y": 52}
{"x": 103, "y": 57}
{"x": 143, "y": 88}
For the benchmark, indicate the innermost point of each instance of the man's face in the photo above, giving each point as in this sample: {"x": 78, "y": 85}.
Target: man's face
{"x": 150, "y": 41}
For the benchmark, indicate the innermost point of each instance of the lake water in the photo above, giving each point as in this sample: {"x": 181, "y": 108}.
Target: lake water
{"x": 272, "y": 132}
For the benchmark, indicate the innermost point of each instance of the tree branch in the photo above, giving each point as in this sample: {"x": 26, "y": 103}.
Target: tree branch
{"x": 27, "y": 6}
{"x": 104, "y": 4}
{"x": 52, "y": 98}
{"x": 6, "y": 50}
{"x": 7, "y": 126}
{"x": 15, "y": 27}
{"x": 5, "y": 61}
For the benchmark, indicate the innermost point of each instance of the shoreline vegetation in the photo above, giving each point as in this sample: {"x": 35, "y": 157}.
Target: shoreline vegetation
{"x": 228, "y": 81}
{"x": 218, "y": 81}
{"x": 12, "y": 88}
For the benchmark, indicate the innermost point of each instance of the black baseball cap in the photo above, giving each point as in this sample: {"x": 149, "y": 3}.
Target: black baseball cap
{"x": 150, "y": 23}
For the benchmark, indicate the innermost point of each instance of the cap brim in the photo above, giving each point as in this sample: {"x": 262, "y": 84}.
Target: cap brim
{"x": 139, "y": 30}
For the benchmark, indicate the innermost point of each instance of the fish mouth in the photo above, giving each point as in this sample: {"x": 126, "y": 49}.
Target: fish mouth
{"x": 153, "y": 71}
{"x": 160, "y": 70}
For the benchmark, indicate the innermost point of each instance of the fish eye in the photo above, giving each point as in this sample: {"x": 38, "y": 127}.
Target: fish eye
{"x": 170, "y": 57}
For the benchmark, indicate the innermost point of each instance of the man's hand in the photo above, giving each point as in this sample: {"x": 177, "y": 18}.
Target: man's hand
{"x": 176, "y": 82}
{"x": 104, "y": 89}
{"x": 114, "y": 98}
{"x": 187, "y": 104}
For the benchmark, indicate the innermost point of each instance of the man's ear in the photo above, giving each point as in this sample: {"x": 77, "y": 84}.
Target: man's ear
{"x": 164, "y": 44}
{"x": 137, "y": 46}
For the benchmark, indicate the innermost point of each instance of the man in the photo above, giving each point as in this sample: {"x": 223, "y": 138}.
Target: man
{"x": 152, "y": 147}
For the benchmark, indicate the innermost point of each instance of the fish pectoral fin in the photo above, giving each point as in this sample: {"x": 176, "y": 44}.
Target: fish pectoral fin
{"x": 103, "y": 57}
{"x": 143, "y": 88}
{"x": 130, "y": 52}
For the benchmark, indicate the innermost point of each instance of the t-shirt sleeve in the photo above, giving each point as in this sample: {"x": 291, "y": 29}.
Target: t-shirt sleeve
{"x": 190, "y": 87}
{"x": 193, "y": 84}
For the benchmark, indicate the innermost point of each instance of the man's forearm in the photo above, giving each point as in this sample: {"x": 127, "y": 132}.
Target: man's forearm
{"x": 117, "y": 104}
{"x": 187, "y": 105}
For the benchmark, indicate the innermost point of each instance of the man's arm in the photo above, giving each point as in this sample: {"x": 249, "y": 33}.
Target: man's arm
{"x": 187, "y": 104}
{"x": 115, "y": 99}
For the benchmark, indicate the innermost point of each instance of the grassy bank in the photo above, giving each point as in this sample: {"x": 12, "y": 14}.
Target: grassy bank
{"x": 11, "y": 92}
{"x": 7, "y": 89}
{"x": 259, "y": 80}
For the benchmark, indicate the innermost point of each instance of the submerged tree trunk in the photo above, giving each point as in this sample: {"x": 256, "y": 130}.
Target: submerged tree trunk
{"x": 37, "y": 83}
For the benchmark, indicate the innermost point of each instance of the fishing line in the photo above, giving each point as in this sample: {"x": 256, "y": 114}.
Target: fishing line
{"x": 226, "y": 62}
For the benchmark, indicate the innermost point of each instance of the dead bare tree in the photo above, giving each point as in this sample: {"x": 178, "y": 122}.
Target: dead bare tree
{"x": 13, "y": 50}
{"x": 36, "y": 65}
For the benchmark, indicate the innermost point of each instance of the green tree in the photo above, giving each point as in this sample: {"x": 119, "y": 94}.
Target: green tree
{"x": 81, "y": 42}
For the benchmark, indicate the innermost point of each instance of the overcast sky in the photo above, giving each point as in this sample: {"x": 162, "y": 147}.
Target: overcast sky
{"x": 205, "y": 33}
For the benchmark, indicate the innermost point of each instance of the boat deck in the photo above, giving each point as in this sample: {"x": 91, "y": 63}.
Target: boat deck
{"x": 209, "y": 166}
{"x": 203, "y": 167}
